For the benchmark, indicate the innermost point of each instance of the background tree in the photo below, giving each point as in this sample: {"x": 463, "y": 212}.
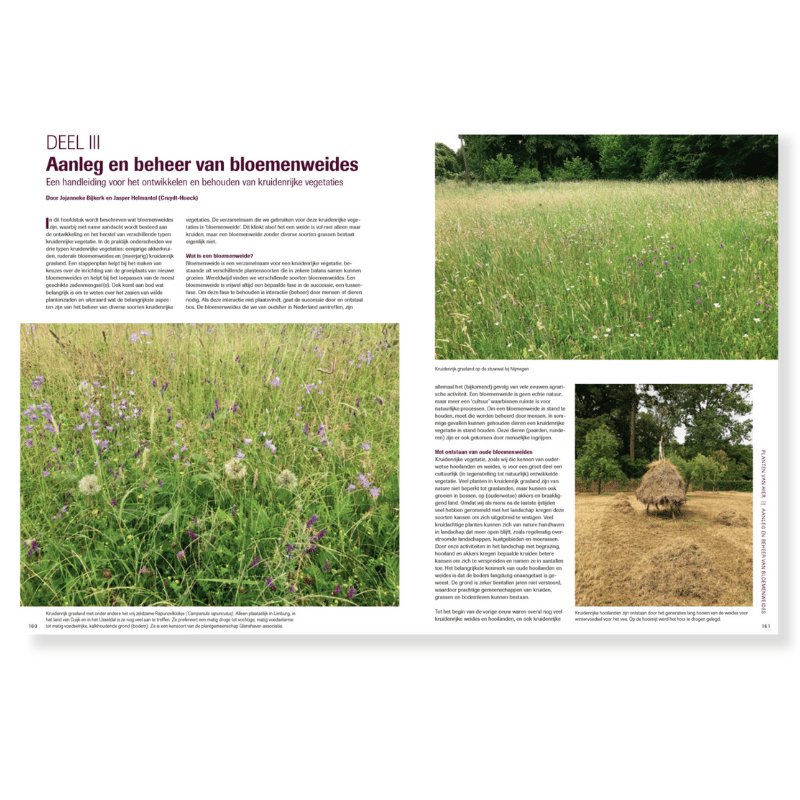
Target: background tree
{"x": 639, "y": 415}
{"x": 501, "y": 168}
{"x": 742, "y": 456}
{"x": 574, "y": 169}
{"x": 685, "y": 467}
{"x": 650, "y": 430}
{"x": 598, "y": 405}
{"x": 711, "y": 413}
{"x": 706, "y": 468}
{"x": 447, "y": 163}
{"x": 622, "y": 157}
{"x": 710, "y": 157}
{"x": 539, "y": 153}
{"x": 553, "y": 151}
{"x": 627, "y": 157}
{"x": 613, "y": 405}
{"x": 634, "y": 410}
{"x": 598, "y": 461}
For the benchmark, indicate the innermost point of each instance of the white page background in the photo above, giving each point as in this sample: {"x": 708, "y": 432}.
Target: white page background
{"x": 363, "y": 716}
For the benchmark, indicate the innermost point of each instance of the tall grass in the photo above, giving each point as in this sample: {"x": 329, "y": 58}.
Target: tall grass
{"x": 607, "y": 270}
{"x": 235, "y": 465}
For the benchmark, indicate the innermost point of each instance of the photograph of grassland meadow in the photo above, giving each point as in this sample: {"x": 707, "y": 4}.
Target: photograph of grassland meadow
{"x": 663, "y": 495}
{"x": 607, "y": 247}
{"x": 209, "y": 465}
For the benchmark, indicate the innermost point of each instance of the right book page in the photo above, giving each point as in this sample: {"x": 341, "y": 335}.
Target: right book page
{"x": 626, "y": 481}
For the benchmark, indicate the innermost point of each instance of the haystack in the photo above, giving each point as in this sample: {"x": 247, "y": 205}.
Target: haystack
{"x": 662, "y": 485}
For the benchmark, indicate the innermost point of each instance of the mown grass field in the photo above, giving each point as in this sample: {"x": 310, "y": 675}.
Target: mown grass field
{"x": 704, "y": 557}
{"x": 209, "y": 465}
{"x": 605, "y": 269}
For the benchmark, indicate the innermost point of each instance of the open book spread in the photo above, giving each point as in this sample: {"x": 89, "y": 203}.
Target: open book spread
{"x": 287, "y": 382}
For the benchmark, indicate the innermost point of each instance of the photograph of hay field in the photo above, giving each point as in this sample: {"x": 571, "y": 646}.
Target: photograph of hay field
{"x": 607, "y": 247}
{"x": 209, "y": 465}
{"x": 663, "y": 495}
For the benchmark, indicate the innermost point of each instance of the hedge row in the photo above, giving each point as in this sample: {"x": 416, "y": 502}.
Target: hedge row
{"x": 608, "y": 486}
{"x": 725, "y": 486}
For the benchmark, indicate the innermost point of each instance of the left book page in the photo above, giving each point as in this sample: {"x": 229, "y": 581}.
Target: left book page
{"x": 210, "y": 351}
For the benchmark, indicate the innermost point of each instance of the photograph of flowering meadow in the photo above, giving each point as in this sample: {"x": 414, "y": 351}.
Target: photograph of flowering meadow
{"x": 209, "y": 465}
{"x": 607, "y": 247}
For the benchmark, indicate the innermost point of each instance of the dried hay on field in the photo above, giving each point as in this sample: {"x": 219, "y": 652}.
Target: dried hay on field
{"x": 621, "y": 504}
{"x": 731, "y": 519}
{"x": 613, "y": 550}
{"x": 677, "y": 572}
{"x": 662, "y": 485}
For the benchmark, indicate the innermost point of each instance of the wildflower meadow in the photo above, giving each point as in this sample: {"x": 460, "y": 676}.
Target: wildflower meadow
{"x": 607, "y": 269}
{"x": 209, "y": 465}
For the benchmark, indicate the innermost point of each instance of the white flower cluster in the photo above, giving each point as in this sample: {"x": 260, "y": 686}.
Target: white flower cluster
{"x": 235, "y": 470}
{"x": 89, "y": 484}
{"x": 287, "y": 480}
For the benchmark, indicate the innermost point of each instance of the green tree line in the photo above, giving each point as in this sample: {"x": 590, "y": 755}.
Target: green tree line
{"x": 529, "y": 159}
{"x": 618, "y": 428}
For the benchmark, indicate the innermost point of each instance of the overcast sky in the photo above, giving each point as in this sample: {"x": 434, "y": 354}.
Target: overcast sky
{"x": 450, "y": 139}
